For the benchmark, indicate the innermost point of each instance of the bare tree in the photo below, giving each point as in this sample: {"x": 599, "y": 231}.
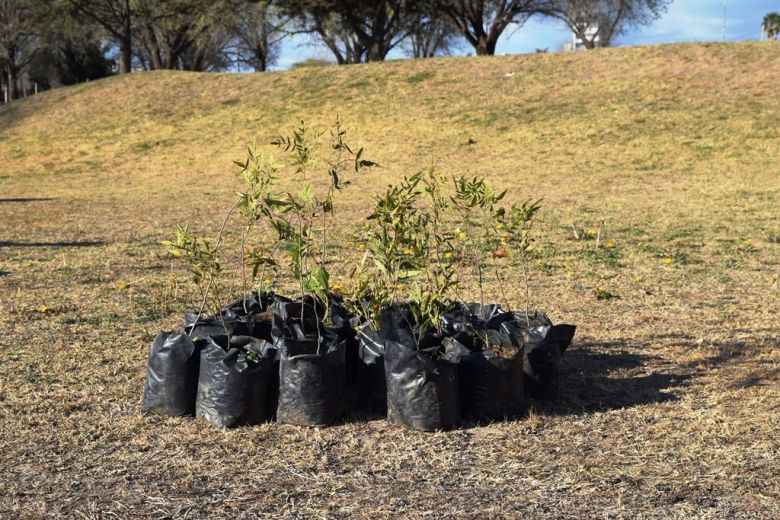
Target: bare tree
{"x": 258, "y": 30}
{"x": 316, "y": 18}
{"x": 20, "y": 38}
{"x": 355, "y": 30}
{"x": 379, "y": 25}
{"x": 598, "y": 22}
{"x": 169, "y": 30}
{"x": 209, "y": 52}
{"x": 481, "y": 22}
{"x": 76, "y": 51}
{"x": 116, "y": 17}
{"x": 432, "y": 36}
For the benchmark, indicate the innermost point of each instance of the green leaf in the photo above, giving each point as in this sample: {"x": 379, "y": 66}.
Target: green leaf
{"x": 320, "y": 278}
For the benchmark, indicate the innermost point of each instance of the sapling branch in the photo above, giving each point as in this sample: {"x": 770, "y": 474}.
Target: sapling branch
{"x": 214, "y": 274}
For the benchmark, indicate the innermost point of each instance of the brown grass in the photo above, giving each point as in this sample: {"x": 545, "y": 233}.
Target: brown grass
{"x": 670, "y": 401}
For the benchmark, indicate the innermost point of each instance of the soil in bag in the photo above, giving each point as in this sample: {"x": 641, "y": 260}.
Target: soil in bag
{"x": 250, "y": 316}
{"x": 544, "y": 345}
{"x": 172, "y": 375}
{"x": 235, "y": 381}
{"x": 256, "y": 311}
{"x": 311, "y": 381}
{"x": 204, "y": 327}
{"x": 297, "y": 319}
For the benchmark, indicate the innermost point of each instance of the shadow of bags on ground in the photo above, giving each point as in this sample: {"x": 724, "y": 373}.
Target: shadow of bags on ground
{"x": 26, "y": 199}
{"x": 74, "y": 243}
{"x": 592, "y": 378}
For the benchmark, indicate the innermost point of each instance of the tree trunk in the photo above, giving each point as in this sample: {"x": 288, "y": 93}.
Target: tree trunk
{"x": 261, "y": 60}
{"x": 13, "y": 90}
{"x": 126, "y": 45}
{"x": 126, "y": 54}
{"x": 376, "y": 52}
{"x": 486, "y": 45}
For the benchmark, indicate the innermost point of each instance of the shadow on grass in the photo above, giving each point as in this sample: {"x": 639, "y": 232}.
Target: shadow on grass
{"x": 593, "y": 380}
{"x": 27, "y": 199}
{"x": 78, "y": 243}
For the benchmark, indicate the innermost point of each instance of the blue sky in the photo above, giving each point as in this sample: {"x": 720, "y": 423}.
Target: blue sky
{"x": 686, "y": 20}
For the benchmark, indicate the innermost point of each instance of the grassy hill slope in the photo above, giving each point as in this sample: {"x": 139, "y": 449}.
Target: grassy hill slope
{"x": 584, "y": 130}
{"x": 669, "y": 399}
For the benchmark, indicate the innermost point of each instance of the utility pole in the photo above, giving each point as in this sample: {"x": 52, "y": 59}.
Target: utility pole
{"x": 724, "y": 20}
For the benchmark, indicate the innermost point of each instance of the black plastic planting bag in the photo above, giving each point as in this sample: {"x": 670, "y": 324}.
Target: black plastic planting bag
{"x": 311, "y": 384}
{"x": 422, "y": 393}
{"x": 464, "y": 320}
{"x": 234, "y": 385}
{"x": 307, "y": 318}
{"x": 297, "y": 319}
{"x": 254, "y": 303}
{"x": 492, "y": 386}
{"x": 544, "y": 345}
{"x": 491, "y": 371}
{"x": 372, "y": 390}
{"x": 343, "y": 323}
{"x": 247, "y": 317}
{"x": 256, "y": 311}
{"x": 491, "y": 380}
{"x": 171, "y": 375}
{"x": 210, "y": 326}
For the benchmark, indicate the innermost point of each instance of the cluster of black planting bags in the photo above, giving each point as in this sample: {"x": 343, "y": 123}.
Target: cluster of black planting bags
{"x": 270, "y": 357}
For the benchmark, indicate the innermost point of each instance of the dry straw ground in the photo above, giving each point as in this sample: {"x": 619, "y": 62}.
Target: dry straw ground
{"x": 670, "y": 401}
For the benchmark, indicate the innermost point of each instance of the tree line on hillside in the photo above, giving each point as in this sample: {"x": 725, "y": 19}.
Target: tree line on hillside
{"x": 58, "y": 42}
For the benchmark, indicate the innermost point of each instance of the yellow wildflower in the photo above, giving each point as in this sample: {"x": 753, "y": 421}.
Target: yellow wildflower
{"x": 43, "y": 309}
{"x": 668, "y": 261}
{"x": 610, "y": 244}
{"x": 121, "y": 286}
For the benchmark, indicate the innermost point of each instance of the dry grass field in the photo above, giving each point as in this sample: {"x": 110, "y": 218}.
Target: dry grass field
{"x": 670, "y": 405}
